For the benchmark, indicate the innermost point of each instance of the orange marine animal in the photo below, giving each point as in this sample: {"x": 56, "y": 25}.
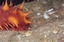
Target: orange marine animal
{"x": 13, "y": 18}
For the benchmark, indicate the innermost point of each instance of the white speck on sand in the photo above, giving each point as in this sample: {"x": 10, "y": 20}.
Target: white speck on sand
{"x": 46, "y": 16}
{"x": 19, "y": 37}
{"x": 55, "y": 31}
{"x": 38, "y": 14}
{"x": 28, "y": 33}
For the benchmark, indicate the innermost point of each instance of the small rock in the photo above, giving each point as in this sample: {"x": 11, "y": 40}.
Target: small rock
{"x": 28, "y": 33}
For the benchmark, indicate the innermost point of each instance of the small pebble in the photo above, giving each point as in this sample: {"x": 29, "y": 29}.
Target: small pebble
{"x": 46, "y": 16}
{"x": 45, "y": 36}
{"x": 28, "y": 33}
{"x": 38, "y": 14}
{"x": 55, "y": 31}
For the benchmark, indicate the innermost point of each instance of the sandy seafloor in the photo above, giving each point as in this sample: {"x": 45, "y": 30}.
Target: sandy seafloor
{"x": 48, "y": 23}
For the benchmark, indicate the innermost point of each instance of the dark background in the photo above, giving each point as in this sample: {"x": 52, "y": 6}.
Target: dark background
{"x": 15, "y": 2}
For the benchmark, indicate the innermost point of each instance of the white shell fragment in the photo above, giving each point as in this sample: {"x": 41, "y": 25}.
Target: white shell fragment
{"x": 49, "y": 13}
{"x": 19, "y": 37}
{"x": 38, "y": 14}
{"x": 50, "y": 10}
{"x": 46, "y": 16}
